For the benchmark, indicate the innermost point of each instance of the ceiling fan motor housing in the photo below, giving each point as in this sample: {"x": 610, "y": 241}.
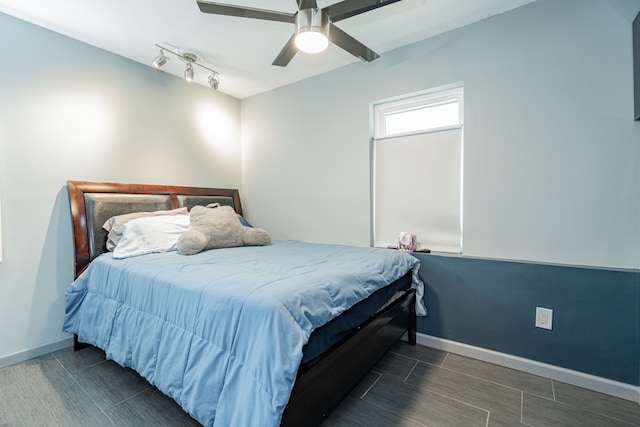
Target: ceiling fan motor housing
{"x": 312, "y": 19}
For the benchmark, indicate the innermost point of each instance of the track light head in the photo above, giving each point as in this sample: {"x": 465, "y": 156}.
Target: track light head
{"x": 188, "y": 72}
{"x": 160, "y": 60}
{"x": 214, "y": 81}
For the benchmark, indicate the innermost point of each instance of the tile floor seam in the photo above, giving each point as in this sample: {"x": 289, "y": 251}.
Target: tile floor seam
{"x": 485, "y": 380}
{"x": 402, "y": 355}
{"x": 129, "y": 398}
{"x": 396, "y": 414}
{"x": 494, "y": 382}
{"x": 446, "y": 356}
{"x": 568, "y": 405}
{"x": 414, "y": 359}
{"x": 528, "y": 425}
{"x": 80, "y": 369}
{"x": 446, "y": 396}
{"x": 411, "y": 371}
{"x": 93, "y": 364}
{"x": 371, "y": 386}
{"x": 73, "y": 378}
{"x": 405, "y": 356}
{"x": 490, "y": 382}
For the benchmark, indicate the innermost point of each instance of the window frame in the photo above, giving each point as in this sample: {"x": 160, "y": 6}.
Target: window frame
{"x": 431, "y": 98}
{"x": 424, "y": 99}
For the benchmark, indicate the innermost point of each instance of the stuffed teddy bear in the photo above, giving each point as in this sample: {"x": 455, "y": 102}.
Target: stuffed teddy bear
{"x": 217, "y": 226}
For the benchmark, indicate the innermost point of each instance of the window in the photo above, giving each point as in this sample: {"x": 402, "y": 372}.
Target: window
{"x": 417, "y": 169}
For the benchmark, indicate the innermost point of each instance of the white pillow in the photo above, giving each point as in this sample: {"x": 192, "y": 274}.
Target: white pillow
{"x": 150, "y": 235}
{"x": 114, "y": 224}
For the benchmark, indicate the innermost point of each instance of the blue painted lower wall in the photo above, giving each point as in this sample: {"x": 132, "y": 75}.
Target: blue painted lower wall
{"x": 491, "y": 304}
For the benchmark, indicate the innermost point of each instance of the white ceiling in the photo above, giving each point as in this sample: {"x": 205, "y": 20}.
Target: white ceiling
{"x": 242, "y": 49}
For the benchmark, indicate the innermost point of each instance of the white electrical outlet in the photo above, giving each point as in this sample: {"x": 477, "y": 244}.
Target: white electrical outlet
{"x": 544, "y": 318}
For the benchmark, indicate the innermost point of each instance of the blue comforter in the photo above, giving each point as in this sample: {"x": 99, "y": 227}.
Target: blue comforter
{"x": 222, "y": 331}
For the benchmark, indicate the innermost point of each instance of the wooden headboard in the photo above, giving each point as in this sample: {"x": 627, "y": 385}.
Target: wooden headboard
{"x": 92, "y": 203}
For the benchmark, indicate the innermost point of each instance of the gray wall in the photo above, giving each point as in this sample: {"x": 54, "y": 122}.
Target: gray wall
{"x": 69, "y": 111}
{"x": 551, "y": 155}
{"x": 550, "y": 146}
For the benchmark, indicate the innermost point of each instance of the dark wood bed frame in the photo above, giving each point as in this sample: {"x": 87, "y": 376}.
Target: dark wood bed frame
{"x": 321, "y": 383}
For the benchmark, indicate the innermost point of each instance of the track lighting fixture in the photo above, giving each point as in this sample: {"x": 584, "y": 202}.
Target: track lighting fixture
{"x": 160, "y": 60}
{"x": 188, "y": 72}
{"x": 191, "y": 59}
{"x": 214, "y": 80}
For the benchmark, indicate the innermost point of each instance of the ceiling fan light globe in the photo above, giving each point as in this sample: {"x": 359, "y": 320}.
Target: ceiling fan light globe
{"x": 312, "y": 30}
{"x": 311, "y": 41}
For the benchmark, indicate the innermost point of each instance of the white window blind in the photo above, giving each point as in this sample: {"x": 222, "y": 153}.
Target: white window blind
{"x": 417, "y": 182}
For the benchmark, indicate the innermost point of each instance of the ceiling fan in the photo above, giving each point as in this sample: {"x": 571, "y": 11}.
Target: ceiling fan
{"x": 312, "y": 25}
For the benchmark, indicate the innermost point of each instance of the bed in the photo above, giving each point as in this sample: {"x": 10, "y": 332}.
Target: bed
{"x": 117, "y": 305}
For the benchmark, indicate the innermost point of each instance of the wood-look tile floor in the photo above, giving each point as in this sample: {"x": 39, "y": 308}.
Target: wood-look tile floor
{"x": 411, "y": 386}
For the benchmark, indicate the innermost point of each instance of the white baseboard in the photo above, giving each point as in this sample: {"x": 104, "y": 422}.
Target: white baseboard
{"x": 30, "y": 353}
{"x": 580, "y": 379}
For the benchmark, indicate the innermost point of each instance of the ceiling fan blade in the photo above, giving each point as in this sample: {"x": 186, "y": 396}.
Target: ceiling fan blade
{"x": 307, "y": 4}
{"x": 244, "y": 12}
{"x": 351, "y": 45}
{"x": 348, "y": 8}
{"x": 287, "y": 53}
